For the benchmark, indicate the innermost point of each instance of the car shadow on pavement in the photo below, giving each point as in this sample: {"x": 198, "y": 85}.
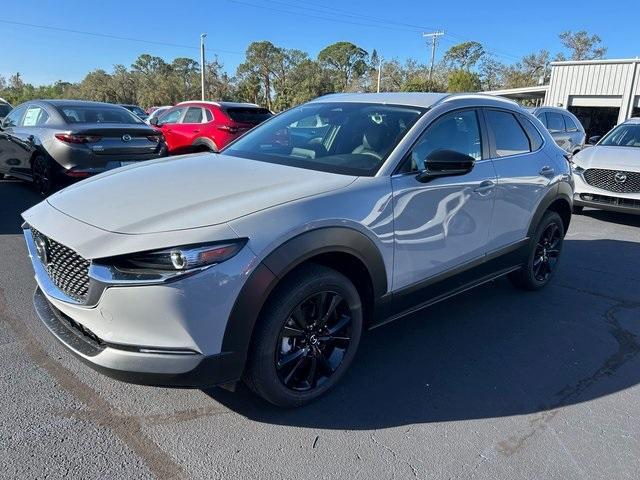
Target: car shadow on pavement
{"x": 491, "y": 352}
{"x": 15, "y": 198}
{"x": 627, "y": 219}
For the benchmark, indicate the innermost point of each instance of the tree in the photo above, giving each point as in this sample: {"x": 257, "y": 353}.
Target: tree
{"x": 463, "y": 56}
{"x": 582, "y": 45}
{"x": 491, "y": 73}
{"x": 463, "y": 81}
{"x": 345, "y": 61}
{"x": 261, "y": 62}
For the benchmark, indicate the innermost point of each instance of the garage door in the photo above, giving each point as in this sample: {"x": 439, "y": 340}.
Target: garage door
{"x": 598, "y": 114}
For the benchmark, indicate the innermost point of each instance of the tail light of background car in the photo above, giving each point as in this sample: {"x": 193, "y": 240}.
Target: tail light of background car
{"x": 78, "y": 139}
{"x": 227, "y": 128}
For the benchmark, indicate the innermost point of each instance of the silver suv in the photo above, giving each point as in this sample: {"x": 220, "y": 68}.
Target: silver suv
{"x": 267, "y": 262}
{"x": 564, "y": 127}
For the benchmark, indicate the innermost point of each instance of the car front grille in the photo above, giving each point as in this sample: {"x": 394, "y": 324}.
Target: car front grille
{"x": 66, "y": 268}
{"x": 613, "y": 180}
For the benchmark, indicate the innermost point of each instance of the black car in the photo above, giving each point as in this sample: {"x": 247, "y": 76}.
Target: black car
{"x": 52, "y": 142}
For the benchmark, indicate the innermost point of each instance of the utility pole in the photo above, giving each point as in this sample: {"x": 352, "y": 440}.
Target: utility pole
{"x": 202, "y": 66}
{"x": 434, "y": 36}
{"x": 379, "y": 73}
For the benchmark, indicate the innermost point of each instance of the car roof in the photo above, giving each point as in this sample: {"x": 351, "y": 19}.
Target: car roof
{"x": 79, "y": 103}
{"x": 220, "y": 104}
{"x": 413, "y": 99}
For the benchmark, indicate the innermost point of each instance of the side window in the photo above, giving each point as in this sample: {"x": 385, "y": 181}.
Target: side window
{"x": 193, "y": 115}
{"x": 208, "y": 115}
{"x": 458, "y": 131}
{"x": 34, "y": 117}
{"x": 555, "y": 122}
{"x": 510, "y": 138}
{"x": 535, "y": 138}
{"x": 171, "y": 116}
{"x": 543, "y": 118}
{"x": 13, "y": 119}
{"x": 570, "y": 124}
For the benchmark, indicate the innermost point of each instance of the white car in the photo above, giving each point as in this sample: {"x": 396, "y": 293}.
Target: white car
{"x": 607, "y": 175}
{"x": 156, "y": 113}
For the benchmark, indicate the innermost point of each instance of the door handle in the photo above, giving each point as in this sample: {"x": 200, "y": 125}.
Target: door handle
{"x": 485, "y": 187}
{"x": 547, "y": 171}
{"x": 196, "y": 131}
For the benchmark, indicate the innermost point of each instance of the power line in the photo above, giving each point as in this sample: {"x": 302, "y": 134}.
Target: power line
{"x": 331, "y": 10}
{"x": 307, "y": 15}
{"x": 106, "y": 35}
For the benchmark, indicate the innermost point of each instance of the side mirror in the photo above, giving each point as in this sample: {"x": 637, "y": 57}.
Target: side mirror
{"x": 595, "y": 139}
{"x": 154, "y": 122}
{"x": 445, "y": 163}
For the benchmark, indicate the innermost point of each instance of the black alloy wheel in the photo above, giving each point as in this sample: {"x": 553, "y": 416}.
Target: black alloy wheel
{"x": 547, "y": 253}
{"x": 543, "y": 254}
{"x": 306, "y": 337}
{"x": 42, "y": 174}
{"x": 313, "y": 341}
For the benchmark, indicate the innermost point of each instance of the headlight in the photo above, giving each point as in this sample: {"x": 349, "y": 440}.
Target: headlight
{"x": 575, "y": 168}
{"x": 180, "y": 259}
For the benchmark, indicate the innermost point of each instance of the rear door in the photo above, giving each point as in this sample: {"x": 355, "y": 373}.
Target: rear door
{"x": 524, "y": 174}
{"x": 190, "y": 126}
{"x": 575, "y": 135}
{"x": 558, "y": 130}
{"x": 443, "y": 223}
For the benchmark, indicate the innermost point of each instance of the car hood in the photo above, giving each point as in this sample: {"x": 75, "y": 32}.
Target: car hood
{"x": 191, "y": 191}
{"x": 610, "y": 158}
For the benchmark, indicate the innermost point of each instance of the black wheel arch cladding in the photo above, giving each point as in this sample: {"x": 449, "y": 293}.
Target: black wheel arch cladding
{"x": 294, "y": 252}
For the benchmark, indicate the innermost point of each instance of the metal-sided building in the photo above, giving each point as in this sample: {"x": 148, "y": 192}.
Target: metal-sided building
{"x": 601, "y": 93}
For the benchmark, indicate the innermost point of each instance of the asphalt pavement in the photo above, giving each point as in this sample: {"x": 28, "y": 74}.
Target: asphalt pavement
{"x": 493, "y": 384}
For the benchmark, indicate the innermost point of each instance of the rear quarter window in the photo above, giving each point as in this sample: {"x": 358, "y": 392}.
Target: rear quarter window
{"x": 248, "y": 114}
{"x": 509, "y": 136}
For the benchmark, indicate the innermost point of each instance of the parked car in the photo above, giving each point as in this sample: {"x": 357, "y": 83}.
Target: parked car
{"x": 5, "y": 108}
{"x": 136, "y": 110}
{"x": 564, "y": 126}
{"x": 157, "y": 111}
{"x": 207, "y": 126}
{"x": 269, "y": 262}
{"x": 607, "y": 175}
{"x": 51, "y": 142}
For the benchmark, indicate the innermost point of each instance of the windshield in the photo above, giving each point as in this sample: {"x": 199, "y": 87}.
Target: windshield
{"x": 626, "y": 135}
{"x": 97, "y": 114}
{"x": 347, "y": 138}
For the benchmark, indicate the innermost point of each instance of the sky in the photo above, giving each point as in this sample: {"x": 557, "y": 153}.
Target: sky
{"x": 394, "y": 28}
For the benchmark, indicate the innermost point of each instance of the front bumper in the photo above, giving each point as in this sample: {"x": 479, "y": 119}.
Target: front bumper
{"x": 135, "y": 364}
{"x": 164, "y": 333}
{"x": 589, "y": 196}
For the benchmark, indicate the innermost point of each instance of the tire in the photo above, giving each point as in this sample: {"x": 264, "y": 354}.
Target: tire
{"x": 578, "y": 209}
{"x": 43, "y": 175}
{"x": 544, "y": 254}
{"x": 291, "y": 366}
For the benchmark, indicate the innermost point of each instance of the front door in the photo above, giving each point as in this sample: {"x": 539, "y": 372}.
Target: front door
{"x": 443, "y": 223}
{"x": 167, "y": 123}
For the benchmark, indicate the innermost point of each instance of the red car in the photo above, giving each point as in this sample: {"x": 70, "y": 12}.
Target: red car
{"x": 199, "y": 126}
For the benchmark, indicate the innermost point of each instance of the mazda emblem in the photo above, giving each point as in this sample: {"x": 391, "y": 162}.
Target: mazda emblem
{"x": 620, "y": 177}
{"x": 126, "y": 137}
